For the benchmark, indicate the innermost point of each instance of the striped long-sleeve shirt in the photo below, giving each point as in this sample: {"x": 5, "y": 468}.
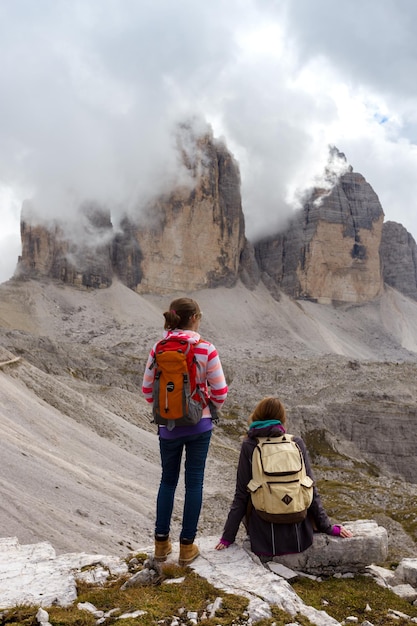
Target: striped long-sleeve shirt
{"x": 210, "y": 376}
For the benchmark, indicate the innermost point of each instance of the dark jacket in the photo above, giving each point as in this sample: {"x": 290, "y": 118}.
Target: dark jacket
{"x": 268, "y": 539}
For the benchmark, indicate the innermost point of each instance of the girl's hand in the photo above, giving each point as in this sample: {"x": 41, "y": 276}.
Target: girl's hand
{"x": 344, "y": 532}
{"x": 221, "y": 546}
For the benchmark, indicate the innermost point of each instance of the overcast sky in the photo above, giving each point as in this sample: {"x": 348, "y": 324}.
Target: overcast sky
{"x": 92, "y": 89}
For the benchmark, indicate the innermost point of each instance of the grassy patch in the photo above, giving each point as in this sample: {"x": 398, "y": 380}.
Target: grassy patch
{"x": 354, "y": 497}
{"x": 161, "y": 602}
{"x": 233, "y": 430}
{"x": 322, "y": 452}
{"x": 341, "y": 598}
{"x": 406, "y": 514}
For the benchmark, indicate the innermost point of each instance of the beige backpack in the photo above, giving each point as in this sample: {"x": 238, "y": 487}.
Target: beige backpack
{"x": 280, "y": 489}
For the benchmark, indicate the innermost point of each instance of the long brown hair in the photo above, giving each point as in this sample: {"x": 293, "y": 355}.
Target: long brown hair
{"x": 180, "y": 313}
{"x": 269, "y": 408}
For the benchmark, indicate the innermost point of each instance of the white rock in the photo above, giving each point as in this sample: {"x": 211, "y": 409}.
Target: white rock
{"x": 111, "y": 612}
{"x": 192, "y": 615}
{"x": 174, "y": 581}
{"x": 397, "y": 614}
{"x": 87, "y": 606}
{"x": 407, "y": 571}
{"x": 143, "y": 577}
{"x": 95, "y": 576}
{"x": 283, "y": 571}
{"x": 383, "y": 576}
{"x": 42, "y": 616}
{"x": 328, "y": 554}
{"x": 215, "y": 606}
{"x": 405, "y": 591}
{"x": 234, "y": 571}
{"x": 132, "y": 615}
{"x": 33, "y": 574}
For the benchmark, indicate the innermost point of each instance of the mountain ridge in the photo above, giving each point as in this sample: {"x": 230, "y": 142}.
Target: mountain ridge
{"x": 335, "y": 248}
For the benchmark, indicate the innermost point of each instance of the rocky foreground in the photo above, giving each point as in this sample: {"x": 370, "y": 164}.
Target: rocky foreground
{"x": 35, "y": 575}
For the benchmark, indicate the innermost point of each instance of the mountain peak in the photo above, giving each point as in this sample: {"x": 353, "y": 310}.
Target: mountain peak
{"x": 336, "y": 248}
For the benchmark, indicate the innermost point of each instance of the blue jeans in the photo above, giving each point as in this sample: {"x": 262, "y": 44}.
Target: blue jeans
{"x": 196, "y": 449}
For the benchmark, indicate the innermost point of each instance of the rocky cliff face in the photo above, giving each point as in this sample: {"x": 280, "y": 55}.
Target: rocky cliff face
{"x": 191, "y": 239}
{"x": 399, "y": 259}
{"x": 330, "y": 252}
{"x": 336, "y": 249}
{"x": 78, "y": 253}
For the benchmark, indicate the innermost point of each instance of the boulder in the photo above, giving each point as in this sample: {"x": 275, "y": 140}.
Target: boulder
{"x": 407, "y": 571}
{"x": 405, "y": 591}
{"x": 329, "y": 555}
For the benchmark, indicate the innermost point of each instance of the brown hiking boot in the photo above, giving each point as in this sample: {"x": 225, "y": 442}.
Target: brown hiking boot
{"x": 162, "y": 549}
{"x": 188, "y": 552}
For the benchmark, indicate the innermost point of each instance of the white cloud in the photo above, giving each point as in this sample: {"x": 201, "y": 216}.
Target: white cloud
{"x": 10, "y": 246}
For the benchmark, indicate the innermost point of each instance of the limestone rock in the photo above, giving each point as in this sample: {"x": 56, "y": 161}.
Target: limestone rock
{"x": 407, "y": 571}
{"x": 399, "y": 259}
{"x": 236, "y": 571}
{"x": 78, "y": 253}
{"x": 127, "y": 256}
{"x": 249, "y": 272}
{"x": 382, "y": 576}
{"x": 394, "y": 452}
{"x": 33, "y": 574}
{"x": 405, "y": 591}
{"x": 336, "y": 249}
{"x": 329, "y": 555}
{"x": 193, "y": 238}
{"x": 330, "y": 251}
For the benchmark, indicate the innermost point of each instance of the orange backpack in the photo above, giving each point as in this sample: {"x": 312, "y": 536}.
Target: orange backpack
{"x": 177, "y": 398}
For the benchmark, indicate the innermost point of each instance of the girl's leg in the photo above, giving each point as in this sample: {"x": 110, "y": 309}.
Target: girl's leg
{"x": 195, "y": 462}
{"x": 171, "y": 453}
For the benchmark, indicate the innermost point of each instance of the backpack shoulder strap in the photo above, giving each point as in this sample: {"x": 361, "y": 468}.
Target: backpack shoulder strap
{"x": 284, "y": 437}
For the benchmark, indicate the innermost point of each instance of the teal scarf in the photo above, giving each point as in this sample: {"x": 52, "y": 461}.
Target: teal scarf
{"x": 265, "y": 424}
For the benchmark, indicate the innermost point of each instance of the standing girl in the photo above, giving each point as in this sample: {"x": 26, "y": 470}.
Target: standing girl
{"x": 183, "y": 320}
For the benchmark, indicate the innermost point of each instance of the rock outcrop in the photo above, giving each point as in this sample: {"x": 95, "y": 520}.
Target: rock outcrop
{"x": 399, "y": 259}
{"x": 330, "y": 251}
{"x": 330, "y": 555}
{"x": 193, "y": 238}
{"x": 190, "y": 239}
{"x": 76, "y": 252}
{"x": 335, "y": 249}
{"x": 35, "y": 575}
